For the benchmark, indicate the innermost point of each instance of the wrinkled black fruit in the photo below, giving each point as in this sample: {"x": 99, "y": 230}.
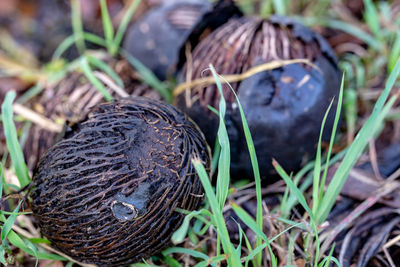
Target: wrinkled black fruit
{"x": 284, "y": 107}
{"x": 108, "y": 192}
{"x": 158, "y": 37}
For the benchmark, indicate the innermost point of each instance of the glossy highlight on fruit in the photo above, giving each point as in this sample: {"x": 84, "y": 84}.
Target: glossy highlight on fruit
{"x": 284, "y": 107}
{"x": 109, "y": 191}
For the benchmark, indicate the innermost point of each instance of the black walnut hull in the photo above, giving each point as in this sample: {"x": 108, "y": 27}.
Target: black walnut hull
{"x": 70, "y": 100}
{"x": 284, "y": 107}
{"x": 108, "y": 192}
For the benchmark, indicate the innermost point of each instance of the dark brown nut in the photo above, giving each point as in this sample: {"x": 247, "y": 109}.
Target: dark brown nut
{"x": 108, "y": 193}
{"x": 284, "y": 107}
{"x": 156, "y": 40}
{"x": 70, "y": 99}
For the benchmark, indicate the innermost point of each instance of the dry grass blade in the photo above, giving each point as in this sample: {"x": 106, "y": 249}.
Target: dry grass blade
{"x": 11, "y": 46}
{"x": 12, "y": 68}
{"x": 36, "y": 118}
{"x": 239, "y": 77}
{"x": 110, "y": 83}
{"x": 392, "y": 242}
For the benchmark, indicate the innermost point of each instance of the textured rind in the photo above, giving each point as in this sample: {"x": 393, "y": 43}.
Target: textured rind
{"x": 305, "y": 34}
{"x": 70, "y": 100}
{"x": 284, "y": 107}
{"x": 135, "y": 151}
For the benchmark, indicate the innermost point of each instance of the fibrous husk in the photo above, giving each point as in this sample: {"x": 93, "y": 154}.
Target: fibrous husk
{"x": 108, "y": 193}
{"x": 69, "y": 100}
{"x": 284, "y": 107}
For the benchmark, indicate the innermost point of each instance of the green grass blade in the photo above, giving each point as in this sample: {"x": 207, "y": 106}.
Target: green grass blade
{"x": 355, "y": 150}
{"x": 350, "y": 110}
{"x": 148, "y": 77}
{"x": 38, "y": 240}
{"x": 256, "y": 170}
{"x": 34, "y": 251}
{"x": 371, "y": 16}
{"x": 170, "y": 261}
{"x": 355, "y": 31}
{"x": 145, "y": 264}
{"x": 223, "y": 176}
{"x": 289, "y": 200}
{"x": 241, "y": 234}
{"x": 1, "y": 180}
{"x": 250, "y": 249}
{"x": 107, "y": 69}
{"x": 292, "y": 187}
{"x": 92, "y": 78}
{"x": 327, "y": 260}
{"x": 346, "y": 27}
{"x": 95, "y": 39}
{"x": 220, "y": 225}
{"x": 122, "y": 27}
{"x": 77, "y": 25}
{"x": 383, "y": 115}
{"x": 295, "y": 190}
{"x": 13, "y": 146}
{"x": 16, "y": 213}
{"x": 279, "y": 6}
{"x": 193, "y": 253}
{"x": 317, "y": 164}
{"x": 395, "y": 53}
{"x": 215, "y": 156}
{"x": 321, "y": 8}
{"x": 246, "y": 218}
{"x": 181, "y": 233}
{"x": 30, "y": 93}
{"x": 6, "y": 228}
{"x": 260, "y": 248}
{"x": 332, "y": 140}
{"x": 107, "y": 24}
{"x": 17, "y": 241}
{"x": 64, "y": 46}
{"x": 2, "y": 253}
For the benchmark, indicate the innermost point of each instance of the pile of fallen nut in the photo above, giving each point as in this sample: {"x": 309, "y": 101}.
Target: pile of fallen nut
{"x": 107, "y": 192}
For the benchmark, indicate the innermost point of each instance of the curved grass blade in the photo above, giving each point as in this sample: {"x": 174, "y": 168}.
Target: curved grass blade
{"x": 63, "y": 46}
{"x": 256, "y": 170}
{"x": 13, "y": 145}
{"x": 77, "y": 26}
{"x": 17, "y": 241}
{"x": 92, "y": 78}
{"x": 148, "y": 77}
{"x": 234, "y": 259}
{"x": 104, "y": 67}
{"x": 355, "y": 150}
{"x": 122, "y": 27}
{"x": 6, "y": 228}
{"x": 107, "y": 23}
{"x": 246, "y": 218}
{"x": 223, "y": 175}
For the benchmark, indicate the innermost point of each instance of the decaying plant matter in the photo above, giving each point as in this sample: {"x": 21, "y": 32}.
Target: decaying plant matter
{"x": 284, "y": 106}
{"x": 108, "y": 193}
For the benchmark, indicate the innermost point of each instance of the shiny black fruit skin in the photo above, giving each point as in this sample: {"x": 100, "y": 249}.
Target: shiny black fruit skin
{"x": 284, "y": 107}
